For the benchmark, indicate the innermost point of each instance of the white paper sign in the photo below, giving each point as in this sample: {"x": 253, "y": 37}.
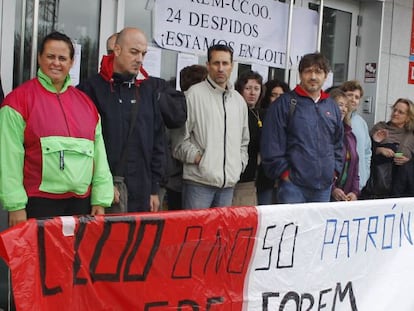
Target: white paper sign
{"x": 152, "y": 61}
{"x": 184, "y": 60}
{"x": 262, "y": 70}
{"x": 74, "y": 72}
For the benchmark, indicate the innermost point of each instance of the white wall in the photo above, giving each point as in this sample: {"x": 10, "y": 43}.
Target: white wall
{"x": 369, "y": 52}
{"x": 395, "y": 49}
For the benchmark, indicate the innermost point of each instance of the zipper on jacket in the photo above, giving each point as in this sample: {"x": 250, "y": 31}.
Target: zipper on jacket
{"x": 318, "y": 140}
{"x": 61, "y": 152}
{"x": 63, "y": 112}
{"x": 225, "y": 140}
{"x": 61, "y": 160}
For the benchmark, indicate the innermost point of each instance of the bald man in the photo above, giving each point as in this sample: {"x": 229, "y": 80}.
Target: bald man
{"x": 136, "y": 152}
{"x": 110, "y": 43}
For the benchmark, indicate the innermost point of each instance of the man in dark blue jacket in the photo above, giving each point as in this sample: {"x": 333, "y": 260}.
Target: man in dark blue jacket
{"x": 302, "y": 137}
{"x": 115, "y": 90}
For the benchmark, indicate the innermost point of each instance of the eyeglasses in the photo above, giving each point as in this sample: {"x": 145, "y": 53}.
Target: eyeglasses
{"x": 399, "y": 111}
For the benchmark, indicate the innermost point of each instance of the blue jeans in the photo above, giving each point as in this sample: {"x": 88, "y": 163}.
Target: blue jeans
{"x": 291, "y": 193}
{"x": 198, "y": 196}
{"x": 267, "y": 197}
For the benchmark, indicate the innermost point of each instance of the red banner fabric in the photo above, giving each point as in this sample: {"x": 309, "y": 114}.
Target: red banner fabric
{"x": 411, "y": 72}
{"x": 412, "y": 32}
{"x": 184, "y": 260}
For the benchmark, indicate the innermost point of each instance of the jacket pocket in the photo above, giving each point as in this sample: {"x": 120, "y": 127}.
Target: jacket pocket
{"x": 67, "y": 164}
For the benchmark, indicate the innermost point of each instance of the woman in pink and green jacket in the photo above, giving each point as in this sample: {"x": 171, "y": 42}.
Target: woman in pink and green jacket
{"x": 52, "y": 154}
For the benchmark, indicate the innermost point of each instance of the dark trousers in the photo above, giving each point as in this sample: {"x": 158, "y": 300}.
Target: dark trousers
{"x": 42, "y": 207}
{"x": 403, "y": 181}
{"x": 174, "y": 200}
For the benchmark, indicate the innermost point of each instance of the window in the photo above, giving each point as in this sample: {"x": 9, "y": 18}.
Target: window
{"x": 82, "y": 26}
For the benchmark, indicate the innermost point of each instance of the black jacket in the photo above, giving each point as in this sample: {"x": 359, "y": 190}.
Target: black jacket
{"x": 114, "y": 94}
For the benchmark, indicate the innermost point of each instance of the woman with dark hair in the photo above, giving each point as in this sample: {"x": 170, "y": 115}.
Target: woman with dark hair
{"x": 273, "y": 89}
{"x": 392, "y": 151}
{"x": 267, "y": 188}
{"x": 52, "y": 155}
{"x": 250, "y": 86}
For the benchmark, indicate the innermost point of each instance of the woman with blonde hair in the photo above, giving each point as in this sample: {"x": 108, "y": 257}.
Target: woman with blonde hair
{"x": 393, "y": 147}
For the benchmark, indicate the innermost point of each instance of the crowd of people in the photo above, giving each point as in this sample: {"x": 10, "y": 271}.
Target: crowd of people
{"x": 111, "y": 143}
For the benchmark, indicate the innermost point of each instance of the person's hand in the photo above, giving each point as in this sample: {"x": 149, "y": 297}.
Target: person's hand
{"x": 339, "y": 195}
{"x": 154, "y": 203}
{"x": 116, "y": 195}
{"x": 286, "y": 178}
{"x": 351, "y": 197}
{"x": 380, "y": 135}
{"x": 97, "y": 210}
{"x": 401, "y": 160}
{"x": 17, "y": 217}
{"x": 197, "y": 158}
{"x": 386, "y": 152}
{"x": 285, "y": 175}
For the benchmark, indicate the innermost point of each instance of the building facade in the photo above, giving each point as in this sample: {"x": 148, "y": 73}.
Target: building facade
{"x": 367, "y": 40}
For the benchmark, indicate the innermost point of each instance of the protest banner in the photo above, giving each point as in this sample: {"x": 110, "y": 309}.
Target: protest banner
{"x": 256, "y": 30}
{"x": 317, "y": 256}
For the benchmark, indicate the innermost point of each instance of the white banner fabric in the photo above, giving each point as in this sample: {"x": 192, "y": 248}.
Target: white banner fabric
{"x": 256, "y": 30}
{"x": 333, "y": 256}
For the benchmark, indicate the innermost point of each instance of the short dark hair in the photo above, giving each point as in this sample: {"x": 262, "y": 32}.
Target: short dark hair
{"x": 219, "y": 47}
{"x": 190, "y": 75}
{"x": 57, "y": 36}
{"x": 314, "y": 59}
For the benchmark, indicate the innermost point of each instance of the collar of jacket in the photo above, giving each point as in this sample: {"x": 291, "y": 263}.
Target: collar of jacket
{"x": 46, "y": 82}
{"x": 300, "y": 91}
{"x": 217, "y": 87}
{"x": 126, "y": 79}
{"x": 107, "y": 70}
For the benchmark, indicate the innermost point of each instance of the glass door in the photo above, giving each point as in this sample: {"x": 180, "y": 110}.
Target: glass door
{"x": 78, "y": 19}
{"x": 339, "y": 37}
